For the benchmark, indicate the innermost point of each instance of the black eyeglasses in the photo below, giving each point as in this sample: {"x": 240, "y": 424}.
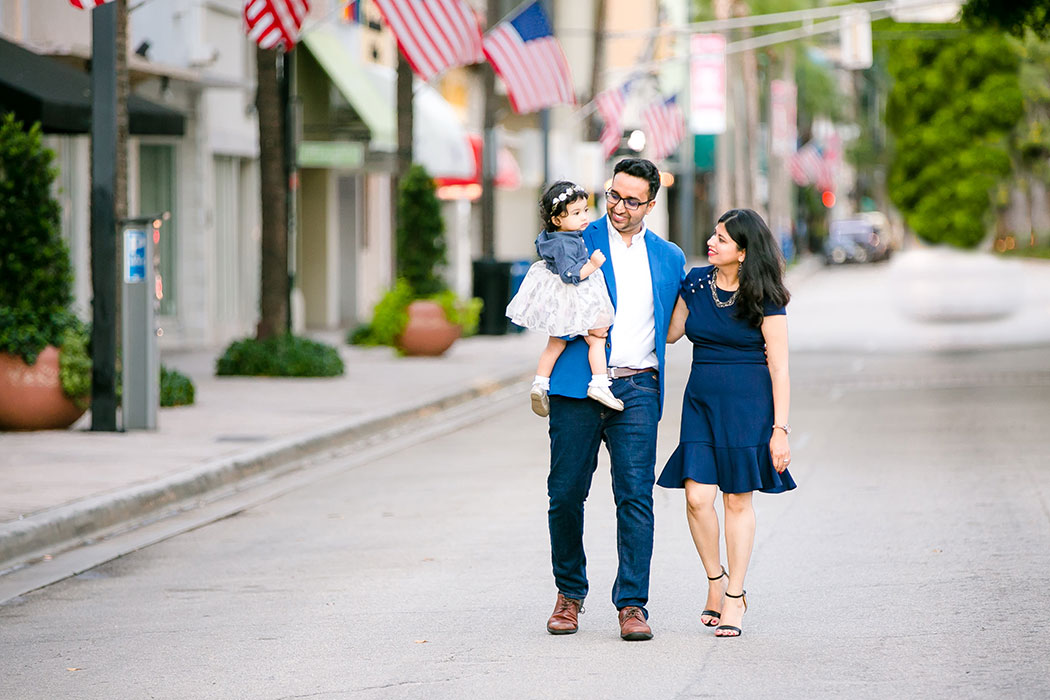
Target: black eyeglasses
{"x": 629, "y": 202}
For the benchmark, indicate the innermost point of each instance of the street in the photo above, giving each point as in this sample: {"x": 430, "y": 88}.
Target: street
{"x": 265, "y": 420}
{"x": 913, "y": 560}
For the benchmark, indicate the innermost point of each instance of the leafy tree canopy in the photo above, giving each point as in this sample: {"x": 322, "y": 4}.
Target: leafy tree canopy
{"x": 1013, "y": 16}
{"x": 951, "y": 108}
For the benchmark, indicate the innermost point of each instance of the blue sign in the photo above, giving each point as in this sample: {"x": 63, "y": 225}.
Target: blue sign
{"x": 134, "y": 256}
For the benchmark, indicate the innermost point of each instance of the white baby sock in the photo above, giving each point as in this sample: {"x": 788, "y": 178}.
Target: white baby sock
{"x": 542, "y": 382}
{"x": 600, "y": 380}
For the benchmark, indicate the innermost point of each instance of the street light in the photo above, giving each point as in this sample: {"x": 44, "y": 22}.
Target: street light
{"x": 636, "y": 141}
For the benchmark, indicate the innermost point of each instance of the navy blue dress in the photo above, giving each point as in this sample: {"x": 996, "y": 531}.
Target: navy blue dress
{"x": 727, "y": 412}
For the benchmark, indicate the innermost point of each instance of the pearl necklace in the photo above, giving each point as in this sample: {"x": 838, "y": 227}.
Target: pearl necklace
{"x": 714, "y": 293}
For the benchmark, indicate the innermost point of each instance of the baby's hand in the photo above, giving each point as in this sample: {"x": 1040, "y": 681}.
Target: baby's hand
{"x": 598, "y": 258}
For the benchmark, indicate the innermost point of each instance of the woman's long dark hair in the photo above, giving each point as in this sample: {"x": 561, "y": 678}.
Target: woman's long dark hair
{"x": 762, "y": 272}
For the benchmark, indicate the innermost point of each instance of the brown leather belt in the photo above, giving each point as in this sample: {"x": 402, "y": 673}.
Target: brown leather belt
{"x": 622, "y": 372}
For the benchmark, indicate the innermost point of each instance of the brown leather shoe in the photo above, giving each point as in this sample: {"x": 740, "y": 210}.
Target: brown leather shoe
{"x": 633, "y": 627}
{"x": 564, "y": 618}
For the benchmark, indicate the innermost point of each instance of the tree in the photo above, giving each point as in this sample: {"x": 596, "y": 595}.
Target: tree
{"x": 273, "y": 297}
{"x": 1030, "y": 141}
{"x": 951, "y": 108}
{"x": 1014, "y": 16}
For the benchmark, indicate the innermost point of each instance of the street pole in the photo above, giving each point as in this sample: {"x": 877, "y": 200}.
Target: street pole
{"x": 723, "y": 155}
{"x": 687, "y": 179}
{"x": 545, "y": 114}
{"x": 597, "y": 65}
{"x": 488, "y": 149}
{"x": 287, "y": 63}
{"x": 103, "y": 220}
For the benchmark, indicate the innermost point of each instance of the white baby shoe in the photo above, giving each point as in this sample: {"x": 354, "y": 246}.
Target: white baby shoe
{"x": 603, "y": 395}
{"x": 541, "y": 405}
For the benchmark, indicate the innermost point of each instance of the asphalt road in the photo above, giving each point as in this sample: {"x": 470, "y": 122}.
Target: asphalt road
{"x": 913, "y": 560}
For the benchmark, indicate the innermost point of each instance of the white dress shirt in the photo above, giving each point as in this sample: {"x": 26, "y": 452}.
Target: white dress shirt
{"x": 633, "y": 334}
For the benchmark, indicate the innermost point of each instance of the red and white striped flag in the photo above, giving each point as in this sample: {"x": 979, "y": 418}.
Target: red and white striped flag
{"x": 665, "y": 126}
{"x": 273, "y": 23}
{"x": 610, "y": 105}
{"x": 808, "y": 166}
{"x": 434, "y": 35}
{"x": 87, "y": 4}
{"x": 523, "y": 51}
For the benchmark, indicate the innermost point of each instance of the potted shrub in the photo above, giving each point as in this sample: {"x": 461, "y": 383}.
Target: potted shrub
{"x": 419, "y": 315}
{"x": 45, "y": 374}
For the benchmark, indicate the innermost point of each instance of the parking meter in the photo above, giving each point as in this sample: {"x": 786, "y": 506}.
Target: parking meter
{"x": 140, "y": 356}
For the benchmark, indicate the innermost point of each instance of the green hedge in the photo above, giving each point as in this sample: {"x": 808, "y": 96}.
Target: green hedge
{"x": 282, "y": 356}
{"x": 176, "y": 389}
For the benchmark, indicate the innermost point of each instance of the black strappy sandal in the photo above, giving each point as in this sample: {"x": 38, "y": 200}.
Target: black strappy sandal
{"x": 731, "y": 627}
{"x": 713, "y": 613}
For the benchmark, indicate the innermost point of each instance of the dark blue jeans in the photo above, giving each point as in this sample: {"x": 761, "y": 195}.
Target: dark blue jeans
{"x": 577, "y": 428}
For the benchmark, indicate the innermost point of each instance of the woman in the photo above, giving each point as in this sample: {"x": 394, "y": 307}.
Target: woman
{"x": 735, "y": 413}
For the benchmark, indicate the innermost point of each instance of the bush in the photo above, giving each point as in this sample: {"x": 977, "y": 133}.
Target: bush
{"x": 74, "y": 364}
{"x": 420, "y": 233}
{"x": 36, "y": 279}
{"x": 391, "y": 314}
{"x": 176, "y": 389}
{"x": 282, "y": 356}
{"x": 361, "y": 335}
{"x": 463, "y": 313}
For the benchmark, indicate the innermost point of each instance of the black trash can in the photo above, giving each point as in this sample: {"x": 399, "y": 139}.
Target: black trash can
{"x": 492, "y": 286}
{"x": 518, "y": 270}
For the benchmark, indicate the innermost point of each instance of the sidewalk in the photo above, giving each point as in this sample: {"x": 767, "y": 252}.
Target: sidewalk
{"x": 62, "y": 486}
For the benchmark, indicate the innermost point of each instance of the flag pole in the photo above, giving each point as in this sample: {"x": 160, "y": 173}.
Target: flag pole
{"x": 545, "y": 113}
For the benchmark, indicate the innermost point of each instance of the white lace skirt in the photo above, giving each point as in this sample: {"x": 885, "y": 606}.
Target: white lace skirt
{"x": 546, "y": 303}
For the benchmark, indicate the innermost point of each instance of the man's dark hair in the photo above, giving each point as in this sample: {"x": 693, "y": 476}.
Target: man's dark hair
{"x": 640, "y": 167}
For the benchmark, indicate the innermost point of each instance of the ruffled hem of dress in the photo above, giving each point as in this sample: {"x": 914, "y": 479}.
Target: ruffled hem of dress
{"x": 733, "y": 469}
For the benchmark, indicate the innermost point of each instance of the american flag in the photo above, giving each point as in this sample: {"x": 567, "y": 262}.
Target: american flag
{"x": 665, "y": 126}
{"x": 808, "y": 166}
{"x": 523, "y": 51}
{"x": 434, "y": 35}
{"x": 272, "y": 23}
{"x": 610, "y": 105}
{"x": 87, "y": 4}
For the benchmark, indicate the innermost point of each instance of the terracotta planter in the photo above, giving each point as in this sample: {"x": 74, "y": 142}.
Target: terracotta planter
{"x": 427, "y": 332}
{"x": 31, "y": 396}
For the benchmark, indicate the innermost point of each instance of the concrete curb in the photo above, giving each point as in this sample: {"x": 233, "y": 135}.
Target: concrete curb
{"x": 67, "y": 526}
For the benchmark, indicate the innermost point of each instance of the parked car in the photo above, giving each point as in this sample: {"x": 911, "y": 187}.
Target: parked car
{"x": 855, "y": 240}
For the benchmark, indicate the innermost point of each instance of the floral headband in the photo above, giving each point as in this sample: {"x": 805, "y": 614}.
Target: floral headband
{"x": 569, "y": 192}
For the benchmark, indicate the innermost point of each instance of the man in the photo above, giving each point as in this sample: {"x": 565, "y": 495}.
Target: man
{"x": 643, "y": 273}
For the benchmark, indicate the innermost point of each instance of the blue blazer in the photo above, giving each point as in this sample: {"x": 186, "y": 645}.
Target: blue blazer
{"x": 572, "y": 372}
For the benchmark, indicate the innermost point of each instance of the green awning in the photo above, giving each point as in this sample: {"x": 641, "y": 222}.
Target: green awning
{"x": 347, "y": 73}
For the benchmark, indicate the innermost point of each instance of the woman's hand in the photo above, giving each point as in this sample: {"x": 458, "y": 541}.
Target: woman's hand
{"x": 780, "y": 450}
